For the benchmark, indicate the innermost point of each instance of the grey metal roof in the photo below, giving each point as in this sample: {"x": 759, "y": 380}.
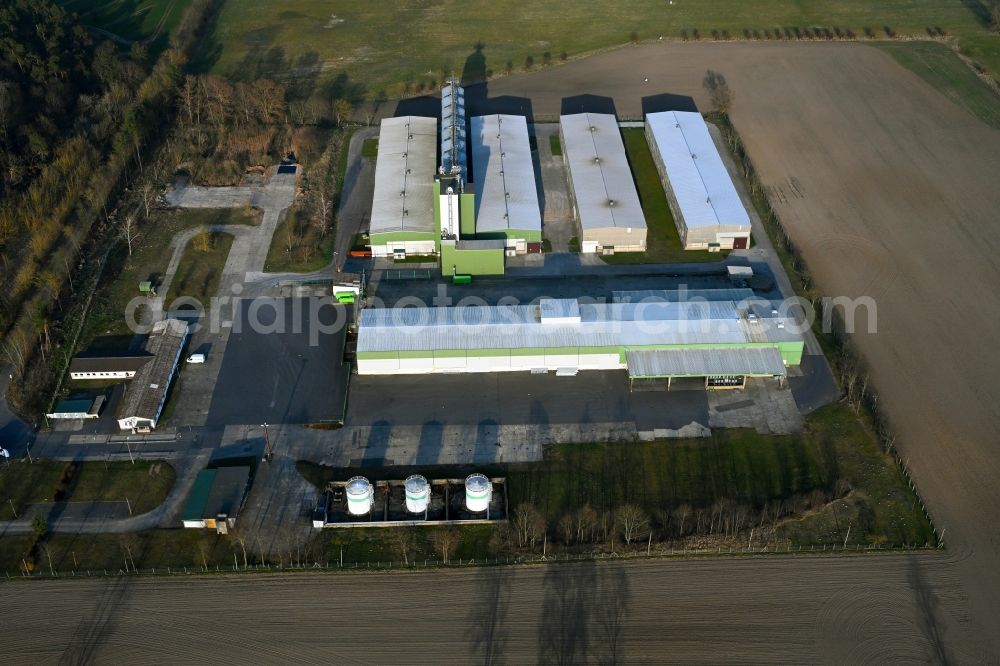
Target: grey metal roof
{"x": 755, "y": 361}
{"x": 700, "y": 181}
{"x": 485, "y": 244}
{"x": 144, "y": 393}
{"x": 671, "y": 295}
{"x": 404, "y": 174}
{"x": 504, "y": 176}
{"x": 601, "y": 179}
{"x": 599, "y": 325}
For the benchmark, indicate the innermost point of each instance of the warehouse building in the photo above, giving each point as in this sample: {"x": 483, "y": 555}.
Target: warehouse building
{"x": 146, "y": 394}
{"x": 713, "y": 335}
{"x": 602, "y": 192}
{"x": 504, "y": 179}
{"x": 707, "y": 209}
{"x": 402, "y": 219}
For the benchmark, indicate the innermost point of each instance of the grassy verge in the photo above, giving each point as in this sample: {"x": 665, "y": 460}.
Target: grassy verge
{"x": 146, "y": 483}
{"x": 151, "y": 20}
{"x": 554, "y": 145}
{"x": 298, "y": 246}
{"x": 381, "y": 49}
{"x": 807, "y": 489}
{"x": 939, "y": 66}
{"x": 369, "y": 148}
{"x": 201, "y": 266}
{"x": 663, "y": 243}
{"x": 150, "y": 256}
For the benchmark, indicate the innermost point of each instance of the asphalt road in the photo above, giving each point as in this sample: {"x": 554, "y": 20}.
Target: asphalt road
{"x": 845, "y": 610}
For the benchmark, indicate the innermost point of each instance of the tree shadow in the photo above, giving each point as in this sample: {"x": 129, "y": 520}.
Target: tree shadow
{"x": 488, "y": 614}
{"x": 927, "y": 606}
{"x": 431, "y": 442}
{"x": 583, "y": 614}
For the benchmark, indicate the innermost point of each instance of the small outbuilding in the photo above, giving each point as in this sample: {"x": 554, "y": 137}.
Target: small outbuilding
{"x": 217, "y": 498}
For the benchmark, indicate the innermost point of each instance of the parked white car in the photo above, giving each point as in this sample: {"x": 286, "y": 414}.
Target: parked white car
{"x": 196, "y": 358}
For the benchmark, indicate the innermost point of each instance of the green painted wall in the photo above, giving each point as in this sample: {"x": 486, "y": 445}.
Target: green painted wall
{"x": 389, "y": 236}
{"x": 471, "y": 262}
{"x": 528, "y": 235}
{"x": 467, "y": 214}
{"x": 791, "y": 352}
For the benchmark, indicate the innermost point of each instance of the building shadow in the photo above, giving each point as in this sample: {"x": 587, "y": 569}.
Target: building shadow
{"x": 424, "y": 106}
{"x": 431, "y": 443}
{"x": 667, "y": 102}
{"x": 377, "y": 445}
{"x": 588, "y": 104}
{"x": 487, "y": 441}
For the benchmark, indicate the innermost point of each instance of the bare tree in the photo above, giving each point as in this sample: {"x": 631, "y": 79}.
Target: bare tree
{"x": 203, "y": 240}
{"x": 129, "y": 544}
{"x": 445, "y": 541}
{"x": 130, "y": 231}
{"x": 403, "y": 540}
{"x": 567, "y": 528}
{"x": 528, "y": 524}
{"x": 46, "y": 550}
{"x": 632, "y": 522}
{"x": 586, "y": 520}
{"x": 681, "y": 515}
{"x": 342, "y": 110}
{"x": 718, "y": 91}
{"x": 321, "y": 214}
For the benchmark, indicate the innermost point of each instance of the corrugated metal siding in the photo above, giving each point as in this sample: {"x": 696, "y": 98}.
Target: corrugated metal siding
{"x": 755, "y": 362}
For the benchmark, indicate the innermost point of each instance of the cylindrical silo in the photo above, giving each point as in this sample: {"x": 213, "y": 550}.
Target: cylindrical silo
{"x": 418, "y": 493}
{"x": 360, "y": 495}
{"x": 478, "y": 492}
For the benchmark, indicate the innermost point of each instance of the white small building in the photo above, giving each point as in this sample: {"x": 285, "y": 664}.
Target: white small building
{"x": 706, "y": 207}
{"x": 602, "y": 191}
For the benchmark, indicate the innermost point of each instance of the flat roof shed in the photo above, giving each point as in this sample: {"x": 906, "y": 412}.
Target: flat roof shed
{"x": 403, "y": 203}
{"x": 604, "y": 196}
{"x": 702, "y": 196}
{"x": 147, "y": 392}
{"x": 504, "y": 179}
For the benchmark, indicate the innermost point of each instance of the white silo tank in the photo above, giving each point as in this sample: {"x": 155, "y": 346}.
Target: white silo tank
{"x": 360, "y": 495}
{"x": 478, "y": 492}
{"x": 418, "y": 493}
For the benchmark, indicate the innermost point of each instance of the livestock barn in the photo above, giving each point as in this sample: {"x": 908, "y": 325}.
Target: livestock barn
{"x": 604, "y": 198}
{"x": 707, "y": 209}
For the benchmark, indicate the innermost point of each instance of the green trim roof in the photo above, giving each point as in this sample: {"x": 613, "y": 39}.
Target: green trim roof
{"x": 195, "y": 507}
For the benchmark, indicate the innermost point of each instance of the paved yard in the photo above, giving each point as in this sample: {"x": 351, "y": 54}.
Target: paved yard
{"x": 282, "y": 364}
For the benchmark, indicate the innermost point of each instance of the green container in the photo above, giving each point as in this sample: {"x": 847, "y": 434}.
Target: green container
{"x": 462, "y": 279}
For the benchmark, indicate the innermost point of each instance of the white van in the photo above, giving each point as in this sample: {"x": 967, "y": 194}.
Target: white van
{"x": 196, "y": 358}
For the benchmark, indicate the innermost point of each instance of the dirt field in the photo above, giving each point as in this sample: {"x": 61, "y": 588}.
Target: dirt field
{"x": 854, "y": 610}
{"x": 891, "y": 191}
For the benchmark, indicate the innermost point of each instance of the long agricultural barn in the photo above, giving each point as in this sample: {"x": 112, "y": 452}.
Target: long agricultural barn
{"x": 402, "y": 219}
{"x": 146, "y": 393}
{"x": 707, "y": 209}
{"x": 504, "y": 178}
{"x": 713, "y": 335}
{"x": 600, "y": 182}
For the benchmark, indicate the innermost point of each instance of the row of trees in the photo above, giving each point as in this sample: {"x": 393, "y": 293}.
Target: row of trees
{"x": 64, "y": 224}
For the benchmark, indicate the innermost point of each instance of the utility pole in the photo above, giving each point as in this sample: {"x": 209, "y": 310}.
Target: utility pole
{"x": 268, "y": 451}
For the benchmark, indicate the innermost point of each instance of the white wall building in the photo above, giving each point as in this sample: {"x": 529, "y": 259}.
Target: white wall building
{"x": 707, "y": 209}
{"x": 601, "y": 188}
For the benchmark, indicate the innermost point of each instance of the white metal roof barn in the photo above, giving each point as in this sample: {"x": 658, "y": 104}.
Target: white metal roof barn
{"x": 604, "y": 196}
{"x": 564, "y": 333}
{"x": 404, "y": 174}
{"x": 706, "y": 207}
{"x": 504, "y": 178}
